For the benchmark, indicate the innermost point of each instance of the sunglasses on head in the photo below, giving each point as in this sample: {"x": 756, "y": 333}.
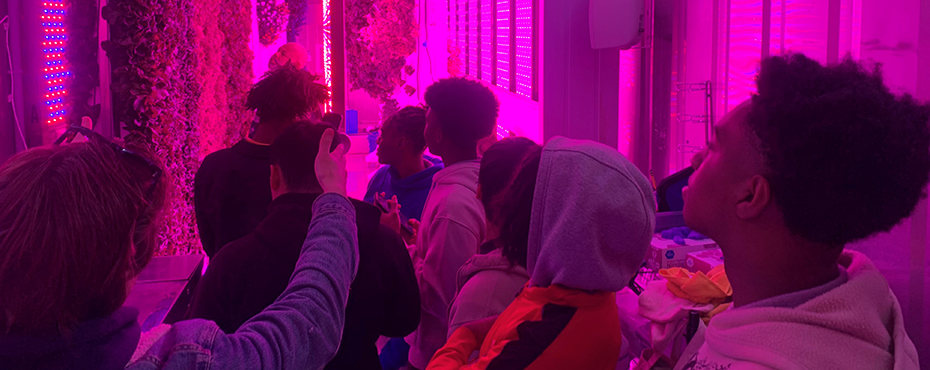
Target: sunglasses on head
{"x": 72, "y": 131}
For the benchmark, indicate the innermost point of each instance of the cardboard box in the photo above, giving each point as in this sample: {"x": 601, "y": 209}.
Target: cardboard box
{"x": 704, "y": 261}
{"x": 665, "y": 253}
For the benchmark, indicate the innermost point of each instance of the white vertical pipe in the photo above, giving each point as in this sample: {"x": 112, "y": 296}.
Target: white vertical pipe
{"x": 578, "y": 85}
{"x": 920, "y": 316}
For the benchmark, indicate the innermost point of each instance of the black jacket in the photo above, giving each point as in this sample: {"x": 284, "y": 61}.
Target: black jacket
{"x": 249, "y": 274}
{"x": 232, "y": 192}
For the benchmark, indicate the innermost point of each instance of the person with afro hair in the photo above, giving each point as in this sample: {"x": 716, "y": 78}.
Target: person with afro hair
{"x": 460, "y": 112}
{"x": 231, "y": 189}
{"x": 821, "y": 156}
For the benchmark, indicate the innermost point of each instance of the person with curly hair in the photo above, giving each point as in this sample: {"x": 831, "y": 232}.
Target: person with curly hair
{"x": 231, "y": 190}
{"x": 820, "y": 157}
{"x": 407, "y": 172}
{"x": 405, "y": 181}
{"x": 79, "y": 222}
{"x": 460, "y": 113}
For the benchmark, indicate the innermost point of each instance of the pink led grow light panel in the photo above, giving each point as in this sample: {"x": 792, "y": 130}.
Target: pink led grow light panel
{"x": 805, "y": 27}
{"x": 745, "y": 49}
{"x": 503, "y": 44}
{"x": 485, "y": 36}
{"x": 461, "y": 19}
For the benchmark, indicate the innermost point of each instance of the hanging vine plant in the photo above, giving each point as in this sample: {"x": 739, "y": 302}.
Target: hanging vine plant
{"x": 296, "y": 17}
{"x": 380, "y": 35}
{"x": 81, "y": 53}
{"x": 271, "y": 20}
{"x": 454, "y": 62}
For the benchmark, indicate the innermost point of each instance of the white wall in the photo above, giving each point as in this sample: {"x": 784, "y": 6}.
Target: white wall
{"x": 891, "y": 35}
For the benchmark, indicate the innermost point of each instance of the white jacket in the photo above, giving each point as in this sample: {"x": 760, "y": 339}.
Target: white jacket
{"x": 857, "y": 325}
{"x": 451, "y": 229}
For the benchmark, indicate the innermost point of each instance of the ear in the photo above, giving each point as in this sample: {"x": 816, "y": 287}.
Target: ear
{"x": 433, "y": 135}
{"x": 277, "y": 180}
{"x": 436, "y": 133}
{"x": 756, "y": 196}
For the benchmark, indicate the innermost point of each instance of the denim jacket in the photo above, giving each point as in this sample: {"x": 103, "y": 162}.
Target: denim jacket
{"x": 301, "y": 330}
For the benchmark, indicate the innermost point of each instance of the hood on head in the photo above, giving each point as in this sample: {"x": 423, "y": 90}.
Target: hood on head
{"x": 593, "y": 217}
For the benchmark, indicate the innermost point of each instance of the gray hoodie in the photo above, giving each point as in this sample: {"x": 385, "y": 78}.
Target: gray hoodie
{"x": 487, "y": 283}
{"x": 451, "y": 229}
{"x": 593, "y": 217}
{"x": 857, "y": 325}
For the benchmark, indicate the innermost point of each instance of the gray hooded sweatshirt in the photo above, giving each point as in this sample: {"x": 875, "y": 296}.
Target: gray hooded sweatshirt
{"x": 593, "y": 217}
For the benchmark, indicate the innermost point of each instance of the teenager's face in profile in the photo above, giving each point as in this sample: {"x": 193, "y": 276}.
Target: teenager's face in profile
{"x": 279, "y": 59}
{"x": 389, "y": 143}
{"x": 719, "y": 181}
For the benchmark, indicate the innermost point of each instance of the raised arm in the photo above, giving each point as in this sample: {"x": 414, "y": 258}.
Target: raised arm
{"x": 303, "y": 328}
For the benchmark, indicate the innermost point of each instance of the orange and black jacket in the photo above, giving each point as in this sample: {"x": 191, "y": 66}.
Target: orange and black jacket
{"x": 544, "y": 328}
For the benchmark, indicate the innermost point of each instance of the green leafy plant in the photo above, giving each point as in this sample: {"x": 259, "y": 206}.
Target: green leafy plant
{"x": 180, "y": 70}
{"x": 154, "y": 63}
{"x": 211, "y": 104}
{"x": 236, "y": 65}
